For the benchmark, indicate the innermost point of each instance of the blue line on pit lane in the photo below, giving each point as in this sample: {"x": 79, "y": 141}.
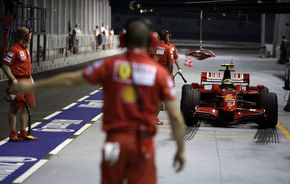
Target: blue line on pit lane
{"x": 17, "y": 157}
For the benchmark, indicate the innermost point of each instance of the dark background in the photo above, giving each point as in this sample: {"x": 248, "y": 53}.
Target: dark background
{"x": 220, "y": 26}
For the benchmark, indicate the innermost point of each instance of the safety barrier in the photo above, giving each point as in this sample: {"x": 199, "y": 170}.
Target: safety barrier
{"x": 58, "y": 46}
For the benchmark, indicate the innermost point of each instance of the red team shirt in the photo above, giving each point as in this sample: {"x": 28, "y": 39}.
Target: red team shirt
{"x": 18, "y": 59}
{"x": 121, "y": 110}
{"x": 174, "y": 50}
{"x": 162, "y": 54}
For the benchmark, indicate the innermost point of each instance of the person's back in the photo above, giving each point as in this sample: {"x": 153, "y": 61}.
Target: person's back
{"x": 120, "y": 101}
{"x": 162, "y": 54}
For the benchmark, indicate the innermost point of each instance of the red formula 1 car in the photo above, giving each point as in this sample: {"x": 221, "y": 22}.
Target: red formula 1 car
{"x": 227, "y": 96}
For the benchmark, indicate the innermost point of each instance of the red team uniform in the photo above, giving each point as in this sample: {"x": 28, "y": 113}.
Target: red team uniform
{"x": 18, "y": 59}
{"x": 122, "y": 113}
{"x": 162, "y": 54}
{"x": 174, "y": 50}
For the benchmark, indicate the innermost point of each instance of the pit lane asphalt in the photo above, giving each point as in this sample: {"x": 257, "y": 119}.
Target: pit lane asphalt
{"x": 46, "y": 102}
{"x": 214, "y": 154}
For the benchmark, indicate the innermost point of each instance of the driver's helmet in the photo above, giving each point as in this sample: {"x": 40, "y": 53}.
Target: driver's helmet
{"x": 227, "y": 84}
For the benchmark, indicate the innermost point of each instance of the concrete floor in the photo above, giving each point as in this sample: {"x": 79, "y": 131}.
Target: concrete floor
{"x": 214, "y": 154}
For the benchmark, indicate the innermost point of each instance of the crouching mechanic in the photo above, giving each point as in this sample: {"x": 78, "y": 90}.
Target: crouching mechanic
{"x": 133, "y": 86}
{"x": 17, "y": 67}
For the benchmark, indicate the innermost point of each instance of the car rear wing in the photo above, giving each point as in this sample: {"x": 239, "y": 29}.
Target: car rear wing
{"x": 217, "y": 77}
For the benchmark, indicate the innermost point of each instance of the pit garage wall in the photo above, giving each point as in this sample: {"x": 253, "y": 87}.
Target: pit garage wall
{"x": 282, "y": 27}
{"x": 87, "y": 13}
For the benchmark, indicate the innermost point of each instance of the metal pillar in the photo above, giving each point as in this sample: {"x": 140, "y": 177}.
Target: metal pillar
{"x": 263, "y": 49}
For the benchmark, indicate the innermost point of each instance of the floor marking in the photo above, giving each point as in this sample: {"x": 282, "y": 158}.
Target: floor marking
{"x": 97, "y": 117}
{"x": 53, "y": 114}
{"x": 94, "y": 92}
{"x": 30, "y": 171}
{"x": 283, "y": 130}
{"x": 80, "y": 131}
{"x": 81, "y": 99}
{"x": 35, "y": 124}
{"x": 4, "y": 141}
{"x": 61, "y": 146}
{"x": 69, "y": 106}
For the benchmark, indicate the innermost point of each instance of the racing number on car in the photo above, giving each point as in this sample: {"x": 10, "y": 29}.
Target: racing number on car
{"x": 124, "y": 71}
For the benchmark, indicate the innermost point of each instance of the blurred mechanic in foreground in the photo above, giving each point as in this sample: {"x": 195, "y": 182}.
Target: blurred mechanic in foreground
{"x": 17, "y": 67}
{"x": 162, "y": 54}
{"x": 133, "y": 86}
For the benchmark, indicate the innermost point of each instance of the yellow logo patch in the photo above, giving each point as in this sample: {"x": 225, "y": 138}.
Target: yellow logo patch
{"x": 156, "y": 58}
{"x": 125, "y": 71}
{"x": 229, "y": 96}
{"x": 22, "y": 53}
{"x": 129, "y": 95}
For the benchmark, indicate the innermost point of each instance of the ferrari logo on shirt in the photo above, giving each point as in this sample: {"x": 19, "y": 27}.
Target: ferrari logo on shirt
{"x": 125, "y": 71}
{"x": 153, "y": 50}
{"x": 21, "y": 53}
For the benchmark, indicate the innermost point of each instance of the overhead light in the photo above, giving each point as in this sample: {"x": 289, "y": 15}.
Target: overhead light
{"x": 143, "y": 11}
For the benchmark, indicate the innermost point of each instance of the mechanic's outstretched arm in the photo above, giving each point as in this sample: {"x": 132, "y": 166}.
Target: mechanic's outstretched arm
{"x": 65, "y": 80}
{"x": 178, "y": 128}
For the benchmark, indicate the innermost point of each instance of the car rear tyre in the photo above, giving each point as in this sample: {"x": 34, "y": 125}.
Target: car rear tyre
{"x": 189, "y": 99}
{"x": 268, "y": 101}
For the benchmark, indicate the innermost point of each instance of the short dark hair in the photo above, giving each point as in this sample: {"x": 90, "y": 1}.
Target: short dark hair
{"x": 162, "y": 34}
{"x": 137, "y": 33}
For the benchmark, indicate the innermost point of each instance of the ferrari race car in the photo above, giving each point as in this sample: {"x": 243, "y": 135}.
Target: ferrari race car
{"x": 227, "y": 96}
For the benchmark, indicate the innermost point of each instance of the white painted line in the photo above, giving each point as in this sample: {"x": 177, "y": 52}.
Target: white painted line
{"x": 60, "y": 147}
{"x": 4, "y": 141}
{"x": 94, "y": 92}
{"x": 53, "y": 114}
{"x": 69, "y": 106}
{"x": 81, "y": 99}
{"x": 30, "y": 171}
{"x": 33, "y": 125}
{"x": 97, "y": 117}
{"x": 80, "y": 131}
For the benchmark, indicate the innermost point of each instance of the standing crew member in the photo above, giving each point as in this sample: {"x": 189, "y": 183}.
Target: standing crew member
{"x": 133, "y": 85}
{"x": 162, "y": 54}
{"x": 77, "y": 34}
{"x": 96, "y": 34}
{"x": 174, "y": 50}
{"x": 17, "y": 67}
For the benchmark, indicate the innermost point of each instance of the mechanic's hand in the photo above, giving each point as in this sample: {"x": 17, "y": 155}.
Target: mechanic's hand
{"x": 21, "y": 87}
{"x": 179, "y": 161}
{"x": 180, "y": 71}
